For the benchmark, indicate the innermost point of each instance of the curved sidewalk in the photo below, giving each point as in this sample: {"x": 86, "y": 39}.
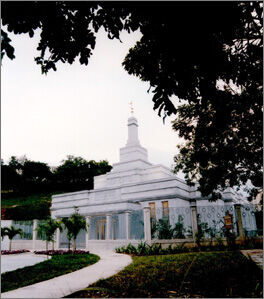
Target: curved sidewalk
{"x": 109, "y": 264}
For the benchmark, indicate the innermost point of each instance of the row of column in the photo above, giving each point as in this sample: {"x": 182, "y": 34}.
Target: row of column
{"x": 108, "y": 229}
{"x": 147, "y": 224}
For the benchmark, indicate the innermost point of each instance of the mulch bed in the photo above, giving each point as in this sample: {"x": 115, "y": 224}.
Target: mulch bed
{"x": 61, "y": 252}
{"x": 6, "y": 252}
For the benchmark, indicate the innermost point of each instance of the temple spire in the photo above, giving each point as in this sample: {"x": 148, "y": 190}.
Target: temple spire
{"x": 131, "y": 108}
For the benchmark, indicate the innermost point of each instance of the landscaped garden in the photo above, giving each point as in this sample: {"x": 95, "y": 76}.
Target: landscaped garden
{"x": 199, "y": 274}
{"x": 59, "y": 264}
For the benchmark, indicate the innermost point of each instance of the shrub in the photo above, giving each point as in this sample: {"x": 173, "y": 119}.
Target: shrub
{"x": 178, "y": 231}
{"x": 164, "y": 229}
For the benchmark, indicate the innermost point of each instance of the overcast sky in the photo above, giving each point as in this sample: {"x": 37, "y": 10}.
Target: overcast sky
{"x": 78, "y": 110}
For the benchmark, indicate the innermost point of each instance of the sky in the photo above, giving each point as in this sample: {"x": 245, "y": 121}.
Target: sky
{"x": 78, "y": 110}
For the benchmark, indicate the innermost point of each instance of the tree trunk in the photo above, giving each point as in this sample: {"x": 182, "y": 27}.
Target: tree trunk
{"x": 74, "y": 245}
{"x": 10, "y": 241}
{"x": 69, "y": 244}
{"x": 47, "y": 249}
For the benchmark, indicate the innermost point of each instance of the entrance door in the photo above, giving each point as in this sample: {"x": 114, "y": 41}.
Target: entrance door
{"x": 101, "y": 229}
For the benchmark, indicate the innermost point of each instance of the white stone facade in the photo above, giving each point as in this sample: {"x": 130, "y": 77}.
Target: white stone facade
{"x": 131, "y": 185}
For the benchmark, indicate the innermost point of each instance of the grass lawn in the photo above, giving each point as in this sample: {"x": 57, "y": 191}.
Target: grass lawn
{"x": 201, "y": 274}
{"x": 25, "y": 200}
{"x": 26, "y": 207}
{"x": 56, "y": 266}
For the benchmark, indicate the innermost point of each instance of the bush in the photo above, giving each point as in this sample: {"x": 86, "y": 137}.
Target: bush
{"x": 155, "y": 249}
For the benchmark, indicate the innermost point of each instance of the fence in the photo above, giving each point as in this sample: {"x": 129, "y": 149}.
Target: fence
{"x": 169, "y": 223}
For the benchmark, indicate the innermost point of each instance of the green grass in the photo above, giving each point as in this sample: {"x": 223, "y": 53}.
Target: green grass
{"x": 56, "y": 266}
{"x": 25, "y": 200}
{"x": 26, "y": 207}
{"x": 202, "y": 274}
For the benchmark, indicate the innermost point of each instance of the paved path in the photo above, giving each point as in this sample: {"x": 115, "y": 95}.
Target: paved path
{"x": 109, "y": 264}
{"x": 10, "y": 262}
{"x": 256, "y": 255}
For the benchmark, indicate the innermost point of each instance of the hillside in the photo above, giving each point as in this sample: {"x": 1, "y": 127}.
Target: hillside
{"x": 26, "y": 207}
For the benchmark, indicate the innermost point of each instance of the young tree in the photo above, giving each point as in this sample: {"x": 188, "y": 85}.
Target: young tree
{"x": 11, "y": 232}
{"x": 48, "y": 228}
{"x": 74, "y": 224}
{"x": 3, "y": 232}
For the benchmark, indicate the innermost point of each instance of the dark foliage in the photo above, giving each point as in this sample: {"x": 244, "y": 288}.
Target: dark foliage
{"x": 25, "y": 177}
{"x": 187, "y": 50}
{"x": 75, "y": 173}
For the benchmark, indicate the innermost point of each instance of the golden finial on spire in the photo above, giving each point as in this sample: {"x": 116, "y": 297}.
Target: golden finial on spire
{"x": 131, "y": 108}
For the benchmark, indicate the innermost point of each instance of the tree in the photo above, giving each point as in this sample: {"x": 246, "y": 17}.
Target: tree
{"x": 3, "y": 232}
{"x": 207, "y": 55}
{"x": 36, "y": 176}
{"x": 11, "y": 232}
{"x": 75, "y": 173}
{"x": 74, "y": 224}
{"x": 47, "y": 228}
{"x": 221, "y": 125}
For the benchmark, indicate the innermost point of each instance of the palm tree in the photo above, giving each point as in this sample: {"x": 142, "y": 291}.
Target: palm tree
{"x": 3, "y": 232}
{"x": 48, "y": 229}
{"x": 74, "y": 224}
{"x": 11, "y": 232}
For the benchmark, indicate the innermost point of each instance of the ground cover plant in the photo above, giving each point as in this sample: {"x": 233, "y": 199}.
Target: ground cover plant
{"x": 56, "y": 266}
{"x": 156, "y": 249}
{"x": 201, "y": 274}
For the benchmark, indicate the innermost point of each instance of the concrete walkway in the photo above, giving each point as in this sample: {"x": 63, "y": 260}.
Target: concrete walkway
{"x": 256, "y": 255}
{"x": 109, "y": 264}
{"x": 11, "y": 262}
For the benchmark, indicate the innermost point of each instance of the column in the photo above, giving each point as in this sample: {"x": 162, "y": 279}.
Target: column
{"x": 147, "y": 227}
{"x": 57, "y": 244}
{"x": 34, "y": 233}
{"x": 194, "y": 217}
{"x": 127, "y": 213}
{"x": 108, "y": 227}
{"x": 239, "y": 221}
{"x": 87, "y": 218}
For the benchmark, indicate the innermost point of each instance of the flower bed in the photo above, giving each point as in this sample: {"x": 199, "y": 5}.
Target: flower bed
{"x": 61, "y": 252}
{"x": 5, "y": 252}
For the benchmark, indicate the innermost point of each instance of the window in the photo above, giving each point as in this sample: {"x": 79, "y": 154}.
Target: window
{"x": 165, "y": 209}
{"x": 101, "y": 229}
{"x": 152, "y": 211}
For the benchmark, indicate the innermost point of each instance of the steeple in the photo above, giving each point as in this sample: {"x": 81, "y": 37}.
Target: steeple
{"x": 132, "y": 132}
{"x": 133, "y": 151}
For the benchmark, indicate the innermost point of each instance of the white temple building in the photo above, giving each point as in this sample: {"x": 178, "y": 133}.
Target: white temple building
{"x": 123, "y": 201}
